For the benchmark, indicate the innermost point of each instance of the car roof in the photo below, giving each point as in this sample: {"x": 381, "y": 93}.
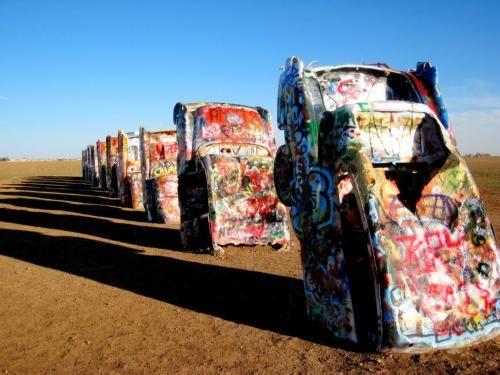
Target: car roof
{"x": 376, "y": 67}
{"x": 196, "y": 105}
{"x": 166, "y": 131}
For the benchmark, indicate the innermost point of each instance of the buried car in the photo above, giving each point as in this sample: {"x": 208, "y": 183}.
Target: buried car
{"x": 111, "y": 165}
{"x": 225, "y": 169}
{"x": 85, "y": 165}
{"x": 159, "y": 172}
{"x": 129, "y": 170}
{"x": 397, "y": 250}
{"x": 89, "y": 165}
{"x": 101, "y": 160}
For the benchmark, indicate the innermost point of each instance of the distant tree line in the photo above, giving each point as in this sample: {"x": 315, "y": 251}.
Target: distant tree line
{"x": 4, "y": 159}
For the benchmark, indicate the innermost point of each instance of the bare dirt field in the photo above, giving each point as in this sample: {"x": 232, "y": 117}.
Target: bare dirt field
{"x": 89, "y": 287}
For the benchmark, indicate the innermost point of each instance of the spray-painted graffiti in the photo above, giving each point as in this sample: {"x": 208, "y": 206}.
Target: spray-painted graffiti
{"x": 226, "y": 186}
{"x": 443, "y": 284}
{"x": 130, "y": 189}
{"x": 398, "y": 252}
{"x": 159, "y": 151}
{"x": 241, "y": 192}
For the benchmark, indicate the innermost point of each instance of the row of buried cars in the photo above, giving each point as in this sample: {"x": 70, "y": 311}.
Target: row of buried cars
{"x": 396, "y": 247}
{"x": 213, "y": 175}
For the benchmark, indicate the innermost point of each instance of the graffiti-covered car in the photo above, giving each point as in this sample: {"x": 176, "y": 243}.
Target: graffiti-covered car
{"x": 397, "y": 250}
{"x": 85, "y": 165}
{"x": 89, "y": 165}
{"x": 101, "y": 158}
{"x": 111, "y": 165}
{"x": 95, "y": 165}
{"x": 225, "y": 169}
{"x": 159, "y": 172}
{"x": 129, "y": 170}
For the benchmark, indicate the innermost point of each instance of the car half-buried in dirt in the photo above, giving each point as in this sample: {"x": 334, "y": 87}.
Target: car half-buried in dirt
{"x": 397, "y": 250}
{"x": 100, "y": 148}
{"x": 225, "y": 169}
{"x": 112, "y": 165}
{"x": 129, "y": 170}
{"x": 85, "y": 165}
{"x": 159, "y": 171}
{"x": 90, "y": 171}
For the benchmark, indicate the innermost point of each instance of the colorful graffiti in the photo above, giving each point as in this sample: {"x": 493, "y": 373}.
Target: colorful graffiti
{"x": 242, "y": 197}
{"x": 397, "y": 250}
{"x": 242, "y": 126}
{"x": 226, "y": 186}
{"x": 130, "y": 189}
{"x": 159, "y": 151}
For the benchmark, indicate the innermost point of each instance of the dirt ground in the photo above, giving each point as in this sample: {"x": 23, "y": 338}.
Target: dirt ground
{"x": 89, "y": 287}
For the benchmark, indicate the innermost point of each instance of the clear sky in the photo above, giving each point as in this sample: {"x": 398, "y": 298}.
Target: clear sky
{"x": 73, "y": 71}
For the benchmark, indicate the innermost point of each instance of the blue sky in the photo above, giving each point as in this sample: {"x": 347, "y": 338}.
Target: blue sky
{"x": 73, "y": 71}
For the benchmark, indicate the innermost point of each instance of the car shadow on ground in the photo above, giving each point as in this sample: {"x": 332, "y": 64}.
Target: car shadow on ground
{"x": 101, "y": 211}
{"x": 137, "y": 231}
{"x": 54, "y": 184}
{"x": 248, "y": 297}
{"x": 141, "y": 235}
{"x": 58, "y": 189}
{"x": 20, "y": 191}
{"x": 265, "y": 301}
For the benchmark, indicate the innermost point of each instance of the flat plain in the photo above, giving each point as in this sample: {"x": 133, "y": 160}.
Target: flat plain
{"x": 87, "y": 286}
